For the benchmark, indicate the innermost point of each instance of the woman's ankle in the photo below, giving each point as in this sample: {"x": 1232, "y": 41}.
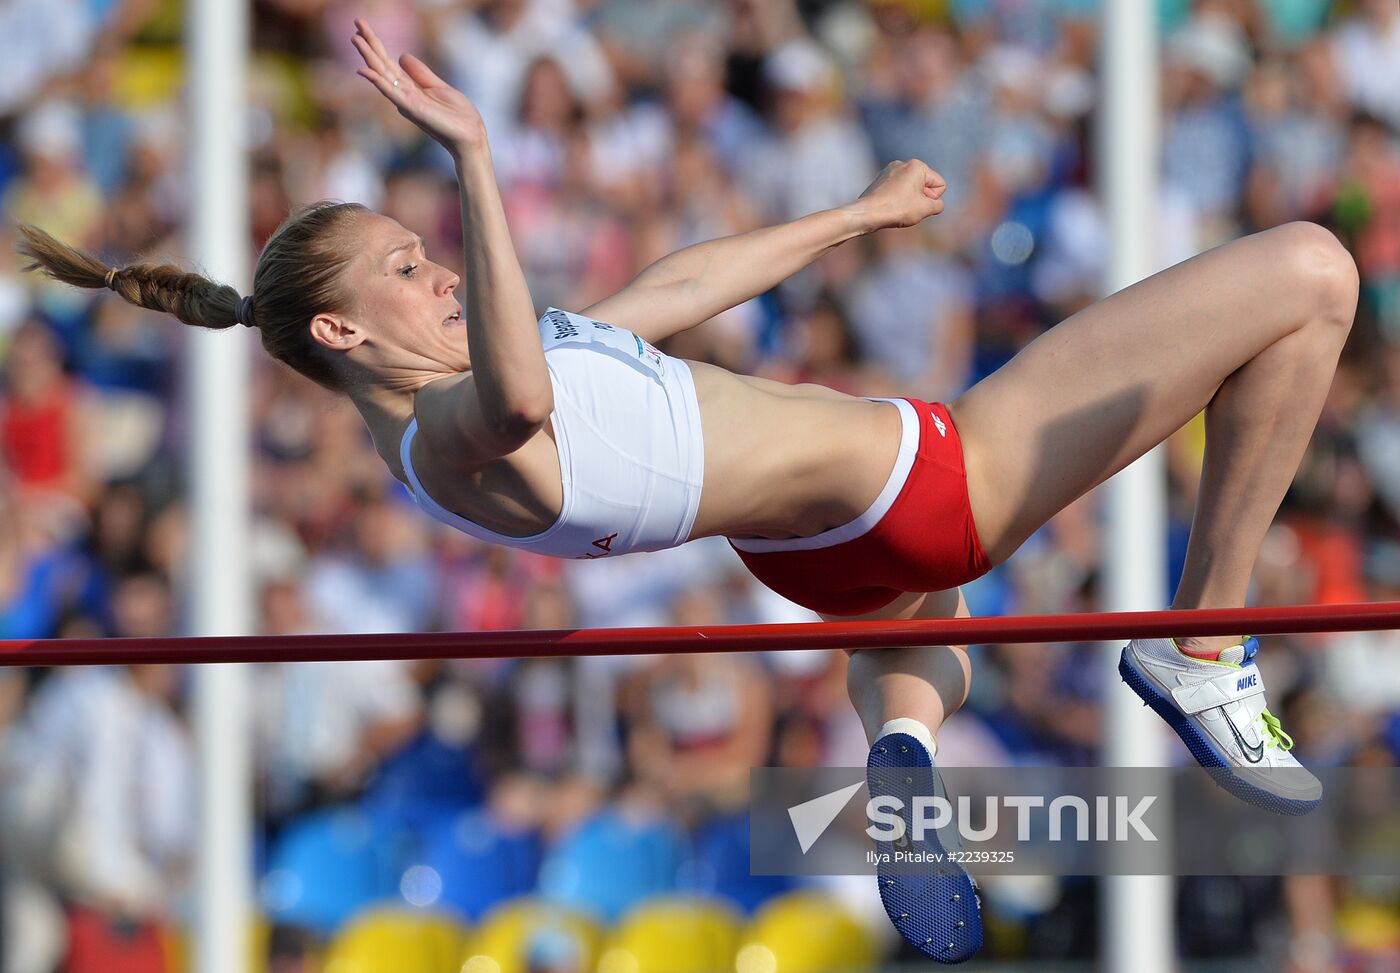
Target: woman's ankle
{"x": 918, "y": 730}
{"x": 1206, "y": 647}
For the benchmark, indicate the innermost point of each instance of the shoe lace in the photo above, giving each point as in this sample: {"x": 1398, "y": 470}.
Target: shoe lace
{"x": 1273, "y": 730}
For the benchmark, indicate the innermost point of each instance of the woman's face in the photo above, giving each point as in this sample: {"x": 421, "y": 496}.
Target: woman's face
{"x": 408, "y": 320}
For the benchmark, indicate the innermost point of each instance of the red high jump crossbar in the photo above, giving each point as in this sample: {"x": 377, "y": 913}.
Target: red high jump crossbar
{"x": 1101, "y": 626}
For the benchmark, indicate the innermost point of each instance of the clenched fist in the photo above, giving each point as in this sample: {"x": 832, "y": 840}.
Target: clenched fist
{"x": 905, "y": 193}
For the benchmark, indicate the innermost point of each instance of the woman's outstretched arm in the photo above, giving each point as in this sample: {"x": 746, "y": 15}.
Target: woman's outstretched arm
{"x": 692, "y": 285}
{"x": 511, "y": 388}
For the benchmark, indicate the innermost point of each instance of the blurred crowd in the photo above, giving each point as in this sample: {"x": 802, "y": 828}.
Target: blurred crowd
{"x": 623, "y": 130}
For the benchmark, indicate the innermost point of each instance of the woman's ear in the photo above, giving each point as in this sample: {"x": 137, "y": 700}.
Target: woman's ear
{"x": 336, "y": 332}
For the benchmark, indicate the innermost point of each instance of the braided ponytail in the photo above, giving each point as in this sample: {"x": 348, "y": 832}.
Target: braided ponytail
{"x": 300, "y": 273}
{"x": 191, "y": 297}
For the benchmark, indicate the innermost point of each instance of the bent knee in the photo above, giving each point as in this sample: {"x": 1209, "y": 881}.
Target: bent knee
{"x": 1320, "y": 271}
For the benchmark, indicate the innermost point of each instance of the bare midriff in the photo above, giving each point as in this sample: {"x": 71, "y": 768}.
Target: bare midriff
{"x": 788, "y": 460}
{"x": 780, "y": 461}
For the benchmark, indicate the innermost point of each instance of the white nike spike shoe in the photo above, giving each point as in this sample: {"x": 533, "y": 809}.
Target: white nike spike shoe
{"x": 1217, "y": 708}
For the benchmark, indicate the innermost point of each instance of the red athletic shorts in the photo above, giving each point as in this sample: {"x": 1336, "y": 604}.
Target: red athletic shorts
{"x": 918, "y": 535}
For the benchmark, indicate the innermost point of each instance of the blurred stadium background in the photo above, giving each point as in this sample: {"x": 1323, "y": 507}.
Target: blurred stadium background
{"x": 580, "y": 815}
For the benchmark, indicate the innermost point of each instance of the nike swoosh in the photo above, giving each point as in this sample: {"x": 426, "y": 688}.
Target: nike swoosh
{"x": 1253, "y": 754}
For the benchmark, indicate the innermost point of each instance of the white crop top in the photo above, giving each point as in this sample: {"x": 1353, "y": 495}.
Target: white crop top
{"x": 631, "y": 453}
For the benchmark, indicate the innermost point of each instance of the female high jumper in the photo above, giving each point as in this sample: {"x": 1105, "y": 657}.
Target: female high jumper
{"x": 573, "y": 436}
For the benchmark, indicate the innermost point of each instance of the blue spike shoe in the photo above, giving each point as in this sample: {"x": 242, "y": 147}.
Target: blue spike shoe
{"x": 936, "y": 909}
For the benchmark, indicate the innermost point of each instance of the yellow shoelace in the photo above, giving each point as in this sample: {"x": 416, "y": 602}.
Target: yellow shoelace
{"x": 1273, "y": 727}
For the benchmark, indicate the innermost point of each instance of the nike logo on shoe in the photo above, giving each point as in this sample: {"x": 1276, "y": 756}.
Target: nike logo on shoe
{"x": 1253, "y": 754}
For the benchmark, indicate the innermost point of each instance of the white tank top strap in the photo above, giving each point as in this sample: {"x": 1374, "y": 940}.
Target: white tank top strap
{"x": 441, "y": 514}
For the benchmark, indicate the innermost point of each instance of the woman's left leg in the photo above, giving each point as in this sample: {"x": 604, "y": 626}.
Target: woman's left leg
{"x": 938, "y": 911}
{"x": 927, "y": 682}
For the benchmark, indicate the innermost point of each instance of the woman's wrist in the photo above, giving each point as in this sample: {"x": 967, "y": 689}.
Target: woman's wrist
{"x": 861, "y": 219}
{"x": 470, "y": 152}
{"x": 474, "y": 168}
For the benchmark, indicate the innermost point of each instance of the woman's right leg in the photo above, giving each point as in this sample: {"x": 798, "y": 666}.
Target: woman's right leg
{"x": 1250, "y": 332}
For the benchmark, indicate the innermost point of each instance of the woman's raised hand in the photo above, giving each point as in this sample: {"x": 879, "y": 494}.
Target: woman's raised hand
{"x": 426, "y": 100}
{"x": 903, "y": 194}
